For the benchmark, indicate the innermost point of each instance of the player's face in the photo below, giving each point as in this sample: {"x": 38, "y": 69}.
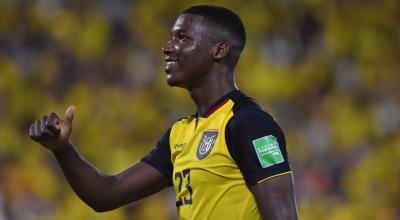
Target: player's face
{"x": 188, "y": 54}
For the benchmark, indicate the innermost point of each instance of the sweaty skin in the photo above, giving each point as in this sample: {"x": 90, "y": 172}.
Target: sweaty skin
{"x": 196, "y": 60}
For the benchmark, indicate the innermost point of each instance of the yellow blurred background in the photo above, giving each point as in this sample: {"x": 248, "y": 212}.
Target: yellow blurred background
{"x": 327, "y": 70}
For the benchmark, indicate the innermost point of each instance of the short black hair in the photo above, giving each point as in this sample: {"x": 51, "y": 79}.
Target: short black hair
{"x": 222, "y": 17}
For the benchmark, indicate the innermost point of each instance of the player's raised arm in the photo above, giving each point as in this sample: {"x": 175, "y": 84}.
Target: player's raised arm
{"x": 99, "y": 190}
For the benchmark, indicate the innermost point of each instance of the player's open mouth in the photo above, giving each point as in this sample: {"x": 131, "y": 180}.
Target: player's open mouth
{"x": 170, "y": 63}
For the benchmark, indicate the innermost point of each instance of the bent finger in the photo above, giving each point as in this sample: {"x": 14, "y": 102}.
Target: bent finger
{"x": 32, "y": 130}
{"x": 37, "y": 127}
{"x": 43, "y": 123}
{"x": 35, "y": 130}
{"x": 52, "y": 123}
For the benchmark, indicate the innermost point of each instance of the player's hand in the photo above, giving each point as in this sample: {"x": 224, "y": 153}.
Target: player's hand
{"x": 51, "y": 131}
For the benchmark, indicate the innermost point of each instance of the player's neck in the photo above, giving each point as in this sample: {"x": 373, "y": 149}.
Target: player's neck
{"x": 207, "y": 94}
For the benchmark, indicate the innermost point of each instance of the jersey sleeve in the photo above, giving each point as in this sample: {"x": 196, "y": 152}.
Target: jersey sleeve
{"x": 257, "y": 144}
{"x": 159, "y": 157}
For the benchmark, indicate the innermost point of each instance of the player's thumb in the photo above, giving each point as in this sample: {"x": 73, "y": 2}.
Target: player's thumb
{"x": 69, "y": 114}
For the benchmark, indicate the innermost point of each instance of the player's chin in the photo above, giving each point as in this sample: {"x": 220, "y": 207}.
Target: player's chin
{"x": 171, "y": 81}
{"x": 174, "y": 82}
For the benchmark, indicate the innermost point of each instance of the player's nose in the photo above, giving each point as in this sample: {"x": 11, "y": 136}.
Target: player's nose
{"x": 168, "y": 48}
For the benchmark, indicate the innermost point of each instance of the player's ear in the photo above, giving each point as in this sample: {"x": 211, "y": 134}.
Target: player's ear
{"x": 221, "y": 50}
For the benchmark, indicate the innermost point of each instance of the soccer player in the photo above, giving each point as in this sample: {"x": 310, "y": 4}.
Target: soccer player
{"x": 227, "y": 161}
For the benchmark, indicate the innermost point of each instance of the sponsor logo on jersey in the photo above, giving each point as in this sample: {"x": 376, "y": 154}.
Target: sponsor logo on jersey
{"x": 268, "y": 151}
{"x": 207, "y": 143}
{"x": 180, "y": 146}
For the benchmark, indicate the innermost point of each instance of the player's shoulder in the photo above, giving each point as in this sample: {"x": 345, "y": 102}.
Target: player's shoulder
{"x": 242, "y": 101}
{"x": 246, "y": 107}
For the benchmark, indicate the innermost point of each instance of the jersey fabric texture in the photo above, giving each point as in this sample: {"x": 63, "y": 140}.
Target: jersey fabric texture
{"x": 212, "y": 160}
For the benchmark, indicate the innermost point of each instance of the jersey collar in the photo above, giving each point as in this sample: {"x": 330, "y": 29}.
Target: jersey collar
{"x": 219, "y": 103}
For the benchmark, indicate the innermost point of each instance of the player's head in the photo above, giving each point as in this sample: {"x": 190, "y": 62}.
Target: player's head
{"x": 202, "y": 37}
{"x": 225, "y": 19}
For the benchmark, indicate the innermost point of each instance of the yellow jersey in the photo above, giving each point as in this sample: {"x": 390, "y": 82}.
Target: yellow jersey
{"x": 213, "y": 159}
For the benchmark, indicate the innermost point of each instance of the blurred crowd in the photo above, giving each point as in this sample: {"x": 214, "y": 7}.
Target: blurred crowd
{"x": 328, "y": 71}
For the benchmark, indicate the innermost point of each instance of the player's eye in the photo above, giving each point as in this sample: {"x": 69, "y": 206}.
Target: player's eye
{"x": 182, "y": 38}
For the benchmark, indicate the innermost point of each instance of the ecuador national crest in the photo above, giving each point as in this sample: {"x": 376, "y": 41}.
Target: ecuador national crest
{"x": 207, "y": 142}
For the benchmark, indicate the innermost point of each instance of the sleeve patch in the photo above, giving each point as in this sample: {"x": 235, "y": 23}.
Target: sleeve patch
{"x": 268, "y": 151}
